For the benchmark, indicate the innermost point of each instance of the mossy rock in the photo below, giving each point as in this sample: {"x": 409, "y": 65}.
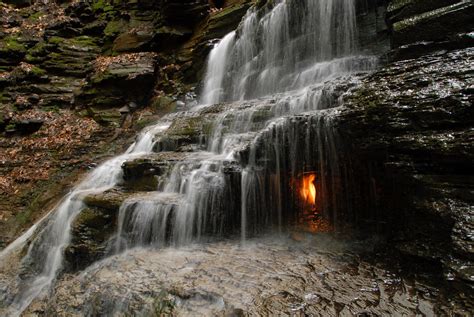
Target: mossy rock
{"x": 132, "y": 41}
{"x": 71, "y": 56}
{"x": 13, "y": 44}
{"x": 102, "y": 6}
{"x": 110, "y": 200}
{"x": 95, "y": 218}
{"x": 115, "y": 27}
{"x": 107, "y": 117}
{"x": 39, "y": 52}
{"x": 90, "y": 231}
{"x": 145, "y": 173}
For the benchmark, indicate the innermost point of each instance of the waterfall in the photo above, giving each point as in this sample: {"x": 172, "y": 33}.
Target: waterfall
{"x": 285, "y": 54}
{"x": 293, "y": 45}
{"x": 292, "y": 48}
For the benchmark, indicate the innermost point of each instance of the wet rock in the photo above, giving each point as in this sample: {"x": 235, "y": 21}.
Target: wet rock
{"x": 148, "y": 172}
{"x": 185, "y": 131}
{"x": 373, "y": 31}
{"x": 282, "y": 278}
{"x": 194, "y": 52}
{"x": 110, "y": 200}
{"x": 419, "y": 49}
{"x": 435, "y": 25}
{"x": 90, "y": 232}
{"x": 402, "y": 9}
{"x": 419, "y": 113}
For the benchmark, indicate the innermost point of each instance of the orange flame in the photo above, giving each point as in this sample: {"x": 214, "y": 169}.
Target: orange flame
{"x": 308, "y": 190}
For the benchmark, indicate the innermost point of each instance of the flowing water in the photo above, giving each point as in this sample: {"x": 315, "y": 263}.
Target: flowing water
{"x": 289, "y": 55}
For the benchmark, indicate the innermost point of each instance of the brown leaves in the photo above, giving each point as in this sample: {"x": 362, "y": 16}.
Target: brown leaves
{"x": 32, "y": 158}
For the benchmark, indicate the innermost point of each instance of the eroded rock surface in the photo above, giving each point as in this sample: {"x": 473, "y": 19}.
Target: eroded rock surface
{"x": 318, "y": 277}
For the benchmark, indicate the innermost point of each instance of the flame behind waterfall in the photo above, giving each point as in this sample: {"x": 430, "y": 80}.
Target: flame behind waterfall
{"x": 308, "y": 190}
{"x": 310, "y": 219}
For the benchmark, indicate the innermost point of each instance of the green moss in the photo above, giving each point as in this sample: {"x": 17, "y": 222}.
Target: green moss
{"x": 115, "y": 27}
{"x": 36, "y": 16}
{"x": 37, "y": 52}
{"x": 56, "y": 40}
{"x": 142, "y": 123}
{"x": 10, "y": 127}
{"x": 83, "y": 41}
{"x": 24, "y": 217}
{"x": 38, "y": 71}
{"x": 51, "y": 108}
{"x": 207, "y": 128}
{"x": 39, "y": 49}
{"x": 102, "y": 5}
{"x": 12, "y": 44}
{"x": 92, "y": 218}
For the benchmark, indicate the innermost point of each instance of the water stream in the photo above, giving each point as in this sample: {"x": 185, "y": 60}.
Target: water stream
{"x": 287, "y": 56}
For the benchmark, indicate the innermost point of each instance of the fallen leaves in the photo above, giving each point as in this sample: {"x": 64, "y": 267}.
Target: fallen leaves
{"x": 32, "y": 158}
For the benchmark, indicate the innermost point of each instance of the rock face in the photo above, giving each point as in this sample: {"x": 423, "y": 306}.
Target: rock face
{"x": 421, "y": 27}
{"x": 411, "y": 122}
{"x": 416, "y": 21}
{"x": 127, "y": 79}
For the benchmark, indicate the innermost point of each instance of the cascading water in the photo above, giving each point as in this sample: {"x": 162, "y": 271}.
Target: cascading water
{"x": 236, "y": 181}
{"x": 269, "y": 53}
{"x": 291, "y": 46}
